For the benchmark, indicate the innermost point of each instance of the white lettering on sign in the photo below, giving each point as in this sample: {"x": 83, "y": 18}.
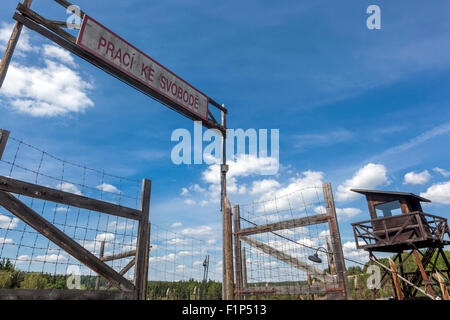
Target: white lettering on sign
{"x": 109, "y": 47}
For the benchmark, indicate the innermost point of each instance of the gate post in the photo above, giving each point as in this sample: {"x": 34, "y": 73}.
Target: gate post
{"x": 143, "y": 243}
{"x": 335, "y": 239}
{"x": 237, "y": 251}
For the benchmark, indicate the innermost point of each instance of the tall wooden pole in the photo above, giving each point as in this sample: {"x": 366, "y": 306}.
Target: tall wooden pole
{"x": 229, "y": 273}
{"x": 223, "y": 195}
{"x": 338, "y": 255}
{"x": 11, "y": 46}
{"x": 143, "y": 243}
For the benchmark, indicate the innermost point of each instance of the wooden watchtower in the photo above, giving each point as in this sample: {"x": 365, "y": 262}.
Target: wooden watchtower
{"x": 397, "y": 225}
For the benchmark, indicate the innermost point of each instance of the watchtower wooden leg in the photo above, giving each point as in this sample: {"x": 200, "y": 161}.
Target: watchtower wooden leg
{"x": 423, "y": 273}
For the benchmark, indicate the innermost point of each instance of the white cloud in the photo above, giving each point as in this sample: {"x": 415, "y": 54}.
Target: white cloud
{"x": 197, "y": 231}
{"x": 107, "y": 237}
{"x": 64, "y": 56}
{"x": 341, "y": 212}
{"x": 176, "y": 224}
{"x": 23, "y": 44}
{"x": 105, "y": 187}
{"x": 350, "y": 251}
{"x": 51, "y": 258}
{"x": 262, "y": 186}
{"x": 6, "y": 241}
{"x": 55, "y": 89}
{"x": 123, "y": 225}
{"x": 61, "y": 209}
{"x": 7, "y": 222}
{"x": 417, "y": 178}
{"x": 184, "y": 191}
{"x": 307, "y": 183}
{"x": 443, "y": 172}
{"x": 190, "y": 202}
{"x": 368, "y": 177}
{"x": 439, "y": 192}
{"x": 69, "y": 187}
{"x": 169, "y": 257}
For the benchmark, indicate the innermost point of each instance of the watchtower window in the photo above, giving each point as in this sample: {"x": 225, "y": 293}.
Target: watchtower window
{"x": 388, "y": 209}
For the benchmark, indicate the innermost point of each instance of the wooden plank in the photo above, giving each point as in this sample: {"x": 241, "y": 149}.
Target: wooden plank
{"x": 237, "y": 249}
{"x": 143, "y": 243}
{"x": 67, "y": 4}
{"x": 66, "y": 198}
{"x": 335, "y": 237}
{"x": 122, "y": 76}
{"x": 119, "y": 256}
{"x": 102, "y": 252}
{"x": 423, "y": 273}
{"x": 62, "y": 240}
{"x": 63, "y": 24}
{"x": 398, "y": 290}
{"x": 309, "y": 269}
{"x": 285, "y": 290}
{"x": 41, "y": 20}
{"x": 123, "y": 271}
{"x": 53, "y": 294}
{"x": 10, "y": 47}
{"x": 288, "y": 224}
{"x": 4, "y": 135}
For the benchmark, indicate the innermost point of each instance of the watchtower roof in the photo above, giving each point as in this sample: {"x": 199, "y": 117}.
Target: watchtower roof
{"x": 392, "y": 193}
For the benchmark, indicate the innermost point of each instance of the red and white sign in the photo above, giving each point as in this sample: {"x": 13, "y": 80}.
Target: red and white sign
{"x": 111, "y": 48}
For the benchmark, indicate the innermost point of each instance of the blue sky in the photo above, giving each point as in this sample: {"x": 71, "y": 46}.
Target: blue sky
{"x": 363, "y": 107}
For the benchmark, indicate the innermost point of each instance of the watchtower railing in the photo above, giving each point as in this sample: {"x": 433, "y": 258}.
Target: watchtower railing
{"x": 386, "y": 231}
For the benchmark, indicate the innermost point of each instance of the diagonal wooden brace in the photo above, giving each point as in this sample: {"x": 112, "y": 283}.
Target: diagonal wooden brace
{"x": 48, "y": 230}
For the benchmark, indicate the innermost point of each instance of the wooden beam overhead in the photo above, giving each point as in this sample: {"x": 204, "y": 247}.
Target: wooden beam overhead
{"x": 66, "y": 198}
{"x": 288, "y": 224}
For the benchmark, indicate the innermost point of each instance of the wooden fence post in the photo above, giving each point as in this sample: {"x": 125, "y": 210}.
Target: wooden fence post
{"x": 244, "y": 271}
{"x": 11, "y": 46}
{"x": 237, "y": 251}
{"x": 335, "y": 236}
{"x": 228, "y": 245}
{"x": 143, "y": 243}
{"x": 102, "y": 252}
{"x": 4, "y": 135}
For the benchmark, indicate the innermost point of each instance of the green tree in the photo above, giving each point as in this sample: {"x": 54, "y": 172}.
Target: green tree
{"x": 6, "y": 279}
{"x": 34, "y": 280}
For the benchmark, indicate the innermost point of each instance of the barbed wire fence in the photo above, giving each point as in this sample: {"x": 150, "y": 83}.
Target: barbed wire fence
{"x": 28, "y": 250}
{"x": 281, "y": 259}
{"x": 175, "y": 258}
{"x": 172, "y": 258}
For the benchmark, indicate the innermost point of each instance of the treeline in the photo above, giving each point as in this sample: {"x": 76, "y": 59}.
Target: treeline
{"x": 184, "y": 290}
{"x": 12, "y": 278}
